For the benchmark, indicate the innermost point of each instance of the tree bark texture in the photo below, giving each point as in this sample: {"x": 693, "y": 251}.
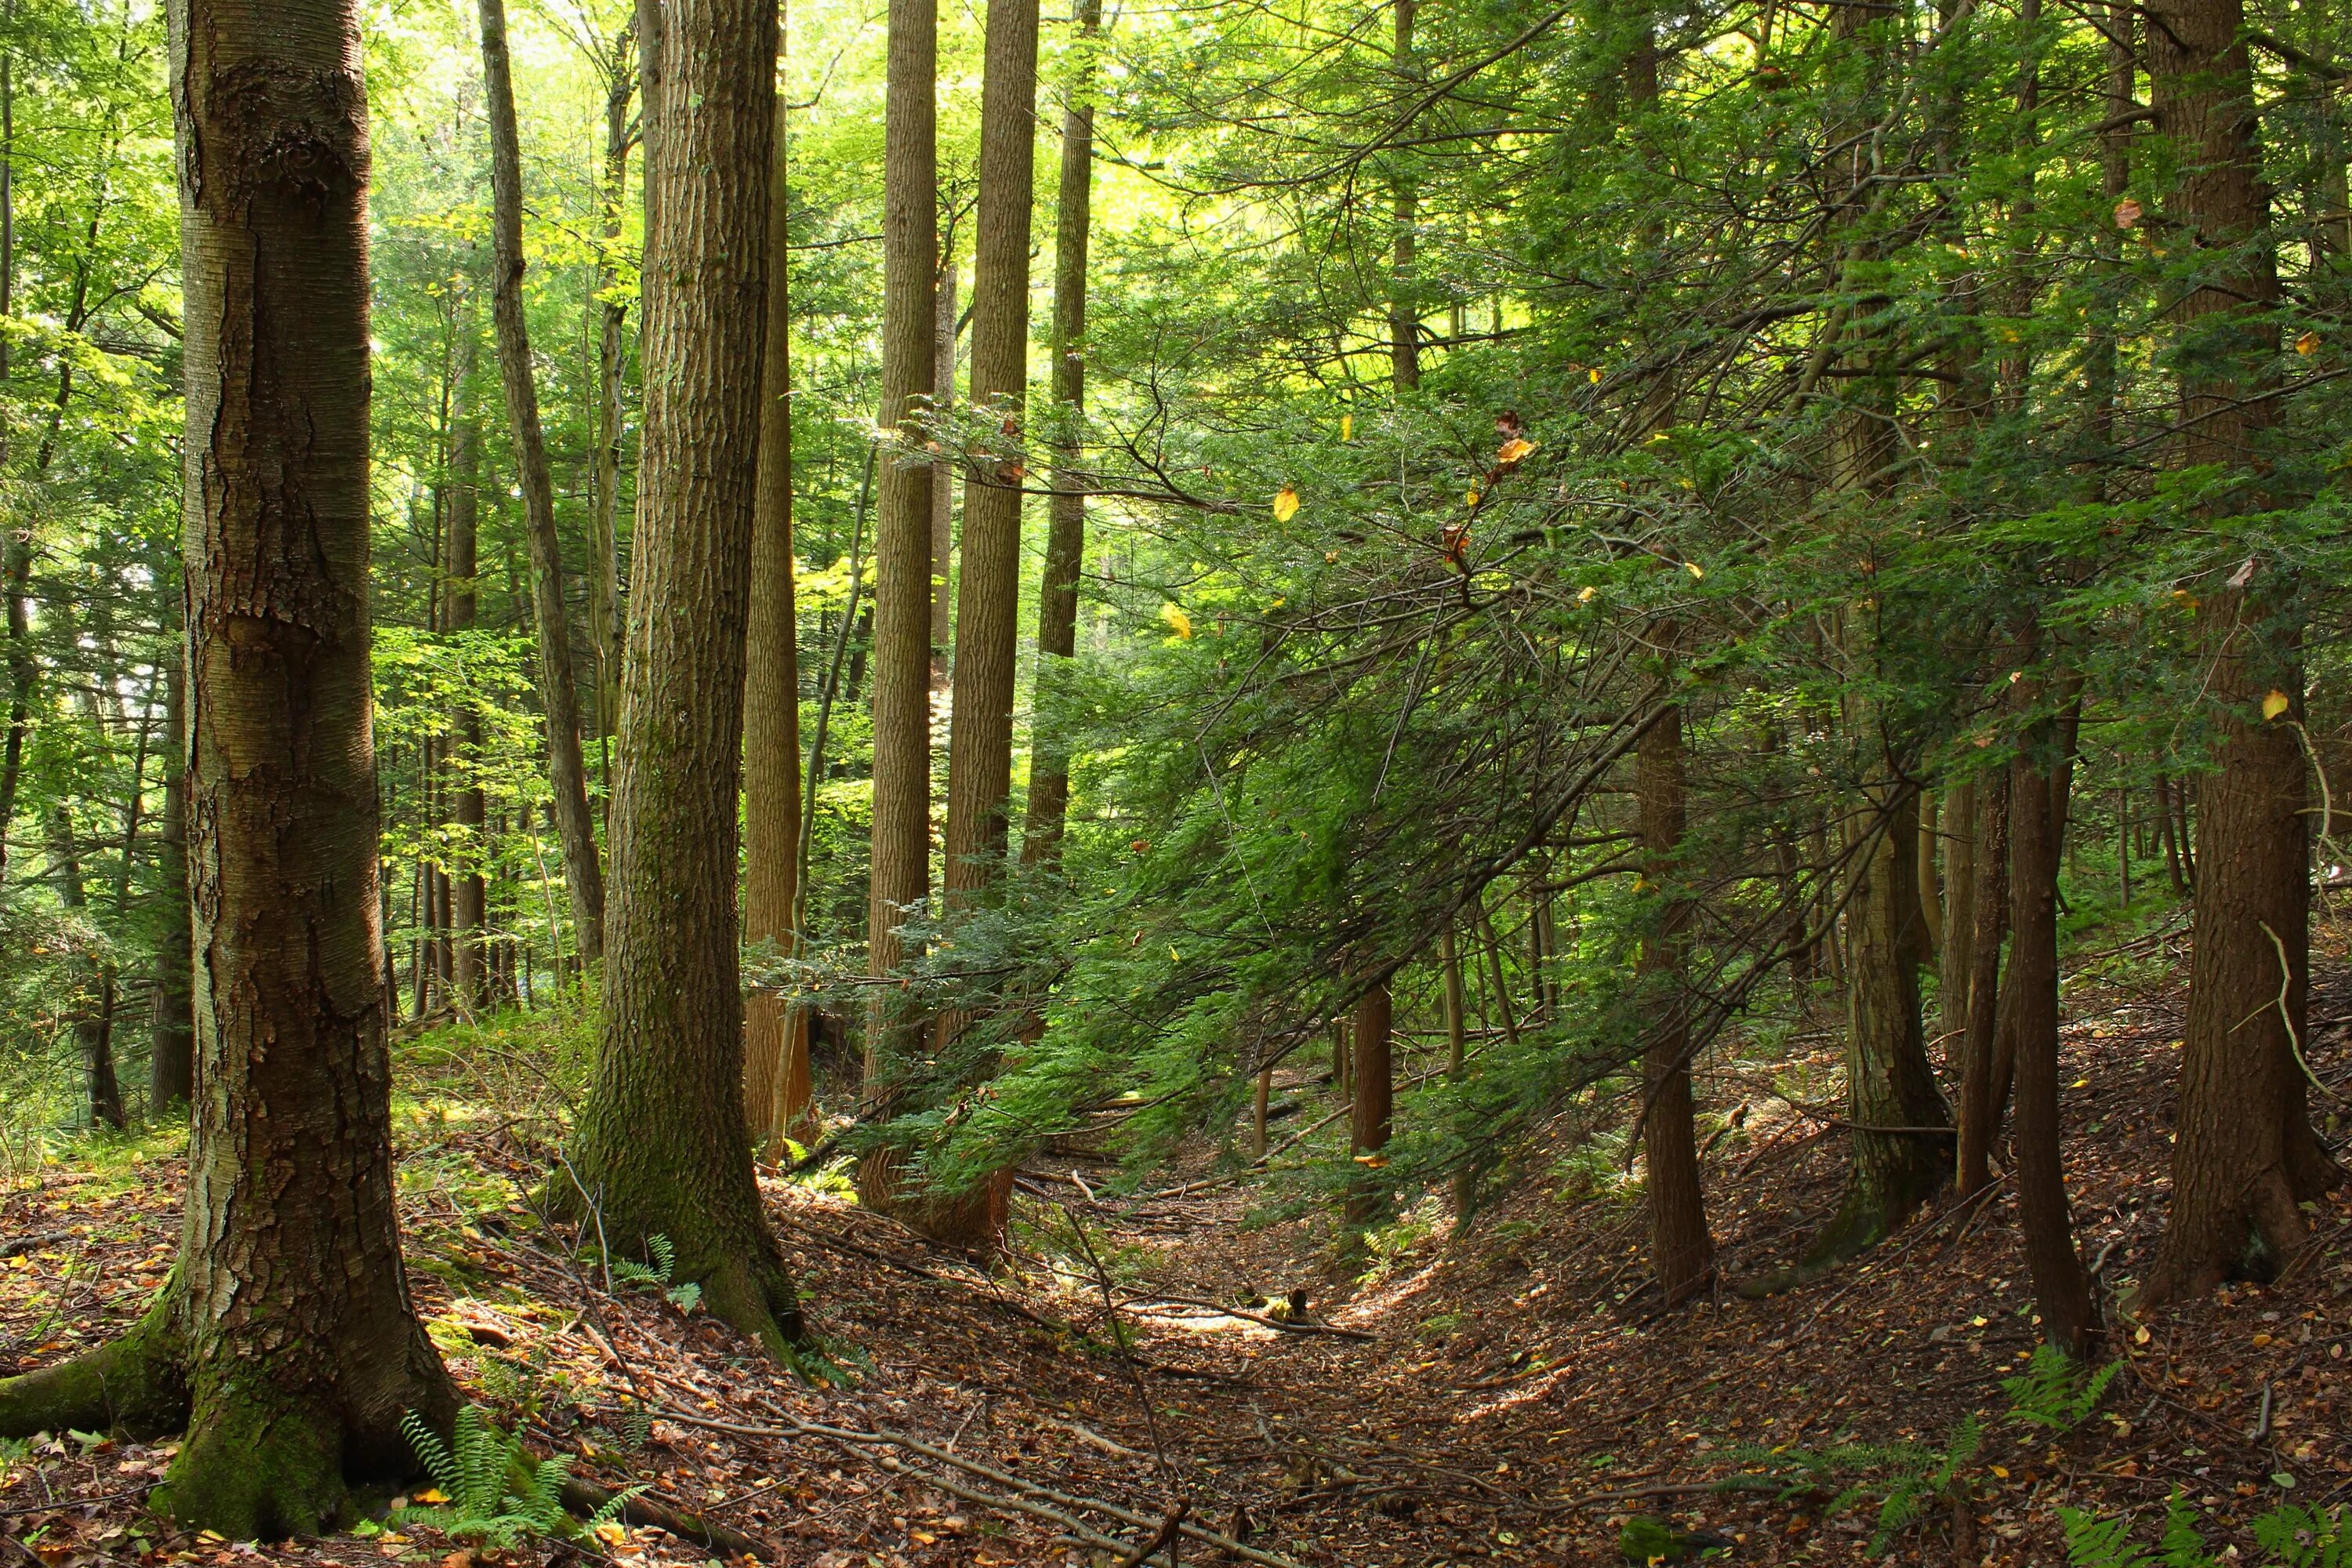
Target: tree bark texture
{"x": 468, "y": 889}
{"x": 605, "y": 628}
{"x": 1373, "y": 1102}
{"x": 559, "y": 689}
{"x": 775, "y": 1033}
{"x": 1682, "y": 1250}
{"x": 92, "y": 1041}
{"x": 1959, "y": 840}
{"x": 1066, "y": 532}
{"x": 659, "y": 1147}
{"x": 943, "y": 381}
{"x": 1982, "y": 1021}
{"x": 1404, "y": 307}
{"x": 171, "y": 1065}
{"x": 988, "y": 588}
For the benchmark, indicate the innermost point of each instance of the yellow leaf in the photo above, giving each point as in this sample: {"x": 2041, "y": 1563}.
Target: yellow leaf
{"x": 430, "y": 1494}
{"x": 1286, "y": 504}
{"x": 1177, "y": 621}
{"x": 1471, "y": 498}
{"x": 1695, "y": 570}
{"x": 1515, "y": 448}
{"x": 2001, "y": 1470}
{"x": 2307, "y": 345}
{"x": 1347, "y": 427}
{"x": 1593, "y": 375}
{"x": 1586, "y": 596}
{"x": 1171, "y": 954}
{"x": 1374, "y": 1161}
{"x": 2274, "y": 705}
{"x": 2140, "y": 1335}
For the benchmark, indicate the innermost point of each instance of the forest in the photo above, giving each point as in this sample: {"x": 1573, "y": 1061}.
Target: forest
{"x": 1296, "y": 782}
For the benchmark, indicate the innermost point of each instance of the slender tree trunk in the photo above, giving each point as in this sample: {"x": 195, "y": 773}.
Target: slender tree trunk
{"x": 1463, "y": 1186}
{"x": 988, "y": 589}
{"x": 1682, "y": 1250}
{"x": 2166, "y": 830}
{"x": 1982, "y": 1019}
{"x": 1065, "y": 532}
{"x": 90, "y": 1036}
{"x": 2061, "y": 1290}
{"x": 775, "y": 1033}
{"x": 2244, "y": 1157}
{"x": 559, "y": 690}
{"x": 943, "y": 377}
{"x": 1373, "y": 1103}
{"x": 171, "y": 1070}
{"x": 1404, "y": 309}
{"x": 659, "y": 1147}
{"x": 1959, "y": 838}
{"x": 468, "y": 889}
{"x": 612, "y": 353}
{"x": 288, "y": 1341}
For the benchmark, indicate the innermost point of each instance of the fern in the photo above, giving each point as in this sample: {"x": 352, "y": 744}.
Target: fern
{"x": 496, "y": 1492}
{"x": 2290, "y": 1536}
{"x": 685, "y": 1297}
{"x": 2056, "y": 1392}
{"x": 1906, "y": 1479}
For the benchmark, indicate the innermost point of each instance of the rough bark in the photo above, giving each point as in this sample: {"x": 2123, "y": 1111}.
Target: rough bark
{"x": 1463, "y": 1186}
{"x": 2245, "y": 1156}
{"x": 91, "y": 1041}
{"x": 1959, "y": 841}
{"x": 468, "y": 890}
{"x": 2061, "y": 1289}
{"x": 1682, "y": 1250}
{"x": 1066, "y": 532}
{"x": 171, "y": 1065}
{"x": 943, "y": 380}
{"x": 605, "y": 627}
{"x": 1373, "y": 1102}
{"x": 659, "y": 1147}
{"x": 559, "y": 690}
{"x": 775, "y": 1033}
{"x": 988, "y": 587}
{"x": 1974, "y": 1163}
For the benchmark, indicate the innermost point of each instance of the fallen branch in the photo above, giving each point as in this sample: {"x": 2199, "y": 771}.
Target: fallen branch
{"x": 1248, "y": 1317}
{"x": 585, "y": 1498}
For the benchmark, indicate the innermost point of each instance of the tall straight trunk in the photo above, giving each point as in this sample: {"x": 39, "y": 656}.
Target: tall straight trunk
{"x": 559, "y": 689}
{"x": 1404, "y": 309}
{"x": 612, "y": 353}
{"x": 171, "y": 1067}
{"x": 943, "y": 376}
{"x": 1373, "y": 1101}
{"x": 1463, "y": 1186}
{"x": 988, "y": 588}
{"x": 1981, "y": 1021}
{"x": 15, "y": 554}
{"x": 1066, "y": 532}
{"x": 660, "y": 1147}
{"x": 775, "y": 1033}
{"x": 1682, "y": 1250}
{"x": 2061, "y": 1289}
{"x": 468, "y": 889}
{"x": 1924, "y": 873}
{"x": 1958, "y": 835}
{"x": 2168, "y": 831}
{"x": 898, "y": 882}
{"x": 288, "y": 1341}
{"x": 91, "y": 1042}
{"x": 2244, "y": 1157}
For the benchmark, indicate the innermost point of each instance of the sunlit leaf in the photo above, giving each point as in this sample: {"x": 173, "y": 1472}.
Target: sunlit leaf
{"x": 1515, "y": 448}
{"x": 1286, "y": 506}
{"x": 2274, "y": 704}
{"x": 1177, "y": 621}
{"x": 1347, "y": 427}
{"x": 2307, "y": 345}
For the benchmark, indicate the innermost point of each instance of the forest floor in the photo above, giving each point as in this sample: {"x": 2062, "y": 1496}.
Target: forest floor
{"x": 1508, "y": 1394}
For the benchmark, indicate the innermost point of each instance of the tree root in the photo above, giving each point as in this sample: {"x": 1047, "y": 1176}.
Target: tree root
{"x": 136, "y": 1386}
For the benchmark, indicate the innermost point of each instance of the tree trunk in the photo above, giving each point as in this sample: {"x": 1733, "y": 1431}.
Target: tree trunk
{"x": 468, "y": 892}
{"x": 90, "y": 1036}
{"x": 1373, "y": 1102}
{"x": 289, "y": 1341}
{"x": 612, "y": 353}
{"x": 988, "y": 589}
{"x": 943, "y": 374}
{"x": 1982, "y": 1019}
{"x": 1065, "y": 532}
{"x": 899, "y": 885}
{"x": 2244, "y": 1157}
{"x": 559, "y": 690}
{"x": 2166, "y": 830}
{"x": 775, "y": 1033}
{"x": 1682, "y": 1250}
{"x": 1463, "y": 1186}
{"x": 171, "y": 1068}
{"x": 659, "y": 1147}
{"x": 1404, "y": 310}
{"x": 2061, "y": 1290}
{"x": 1959, "y": 838}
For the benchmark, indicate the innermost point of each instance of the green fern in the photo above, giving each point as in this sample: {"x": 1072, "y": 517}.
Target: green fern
{"x": 2055, "y": 1390}
{"x": 1906, "y": 1479}
{"x": 685, "y": 1297}
{"x": 497, "y": 1492}
{"x": 2291, "y": 1536}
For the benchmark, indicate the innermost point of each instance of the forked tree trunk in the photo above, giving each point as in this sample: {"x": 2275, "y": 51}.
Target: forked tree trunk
{"x": 775, "y": 1033}
{"x": 2061, "y": 1290}
{"x": 468, "y": 890}
{"x": 171, "y": 1067}
{"x": 559, "y": 690}
{"x": 988, "y": 588}
{"x": 1682, "y": 1250}
{"x": 2244, "y": 1157}
{"x": 660, "y": 1147}
{"x": 1373, "y": 1102}
{"x": 288, "y": 1342}
{"x": 1982, "y": 1020}
{"x": 898, "y": 883}
{"x": 1066, "y": 530}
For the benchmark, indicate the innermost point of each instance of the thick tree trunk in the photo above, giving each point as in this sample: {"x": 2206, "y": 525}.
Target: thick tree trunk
{"x": 1682, "y": 1250}
{"x": 775, "y": 1033}
{"x": 2244, "y": 1157}
{"x": 468, "y": 889}
{"x": 171, "y": 1067}
{"x": 1066, "y": 532}
{"x": 559, "y": 690}
{"x": 659, "y": 1147}
{"x": 2061, "y": 1290}
{"x": 287, "y": 1339}
{"x": 988, "y": 588}
{"x": 1373, "y": 1103}
{"x": 898, "y": 887}
{"x": 1982, "y": 1022}
{"x": 605, "y": 627}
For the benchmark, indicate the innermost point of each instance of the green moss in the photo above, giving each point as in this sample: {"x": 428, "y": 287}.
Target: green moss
{"x": 135, "y": 1385}
{"x": 257, "y": 1465}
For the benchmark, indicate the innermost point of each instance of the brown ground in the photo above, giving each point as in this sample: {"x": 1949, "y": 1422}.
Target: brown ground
{"x": 1517, "y": 1400}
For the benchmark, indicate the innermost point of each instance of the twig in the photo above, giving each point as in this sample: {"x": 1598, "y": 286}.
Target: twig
{"x": 1119, "y": 1335}
{"x": 1159, "y": 1537}
{"x": 2286, "y": 1019}
{"x": 1332, "y": 1329}
{"x": 586, "y": 1498}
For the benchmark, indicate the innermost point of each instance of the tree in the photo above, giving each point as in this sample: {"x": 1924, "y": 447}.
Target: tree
{"x": 659, "y": 1148}
{"x": 468, "y": 889}
{"x": 775, "y": 1033}
{"x": 1682, "y": 1250}
{"x": 286, "y": 1341}
{"x": 171, "y": 1063}
{"x": 559, "y": 691}
{"x": 1372, "y": 1105}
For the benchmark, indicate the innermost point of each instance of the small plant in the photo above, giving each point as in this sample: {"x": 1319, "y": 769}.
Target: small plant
{"x": 2292, "y": 1536}
{"x": 1906, "y": 1479}
{"x": 2055, "y": 1390}
{"x": 685, "y": 1297}
{"x": 493, "y": 1492}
